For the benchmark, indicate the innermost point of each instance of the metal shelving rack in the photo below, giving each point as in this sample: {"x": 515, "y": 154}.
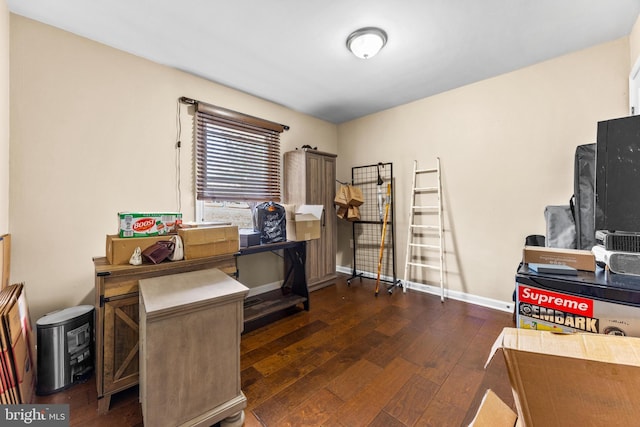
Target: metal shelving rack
{"x": 367, "y": 232}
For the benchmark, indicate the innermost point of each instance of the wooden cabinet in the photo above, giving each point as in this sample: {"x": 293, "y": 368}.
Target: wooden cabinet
{"x": 310, "y": 178}
{"x": 190, "y": 326}
{"x": 120, "y": 368}
{"x": 117, "y": 318}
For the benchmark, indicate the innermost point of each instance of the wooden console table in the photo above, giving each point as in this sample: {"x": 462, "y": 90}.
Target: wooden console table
{"x": 117, "y": 317}
{"x": 294, "y": 287}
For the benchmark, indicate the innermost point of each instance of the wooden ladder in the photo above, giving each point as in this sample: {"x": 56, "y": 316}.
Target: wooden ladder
{"x": 417, "y": 250}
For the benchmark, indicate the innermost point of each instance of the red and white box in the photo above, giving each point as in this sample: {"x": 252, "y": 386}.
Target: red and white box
{"x": 544, "y": 309}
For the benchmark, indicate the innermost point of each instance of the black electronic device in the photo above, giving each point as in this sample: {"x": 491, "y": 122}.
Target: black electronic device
{"x": 618, "y": 241}
{"x": 617, "y": 187}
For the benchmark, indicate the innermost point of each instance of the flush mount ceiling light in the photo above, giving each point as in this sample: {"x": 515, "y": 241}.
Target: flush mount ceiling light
{"x": 366, "y": 42}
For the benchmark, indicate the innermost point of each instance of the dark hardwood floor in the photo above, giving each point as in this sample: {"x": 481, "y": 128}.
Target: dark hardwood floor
{"x": 353, "y": 360}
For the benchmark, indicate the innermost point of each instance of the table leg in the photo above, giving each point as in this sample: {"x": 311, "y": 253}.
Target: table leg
{"x": 235, "y": 420}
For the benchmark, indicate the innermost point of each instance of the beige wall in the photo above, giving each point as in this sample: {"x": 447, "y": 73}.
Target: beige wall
{"x": 93, "y": 133}
{"x": 506, "y": 147}
{"x": 634, "y": 43}
{"x": 4, "y": 118}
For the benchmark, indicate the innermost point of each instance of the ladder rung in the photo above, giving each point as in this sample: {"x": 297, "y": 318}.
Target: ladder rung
{"x": 427, "y": 170}
{"x": 427, "y": 227}
{"x": 421, "y": 245}
{"x": 415, "y": 264}
{"x": 425, "y": 189}
{"x": 426, "y": 207}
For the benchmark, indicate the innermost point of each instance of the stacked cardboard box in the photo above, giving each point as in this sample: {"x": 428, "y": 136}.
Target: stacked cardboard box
{"x": 303, "y": 222}
{"x": 17, "y": 367}
{"x": 210, "y": 241}
{"x": 120, "y": 249}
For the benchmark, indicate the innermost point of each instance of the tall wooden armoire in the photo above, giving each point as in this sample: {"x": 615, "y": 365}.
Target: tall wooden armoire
{"x": 310, "y": 179}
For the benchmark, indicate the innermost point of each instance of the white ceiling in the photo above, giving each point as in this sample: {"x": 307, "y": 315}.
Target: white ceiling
{"x": 293, "y": 52}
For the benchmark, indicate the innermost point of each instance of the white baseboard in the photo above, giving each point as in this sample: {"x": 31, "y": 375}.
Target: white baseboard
{"x": 435, "y": 290}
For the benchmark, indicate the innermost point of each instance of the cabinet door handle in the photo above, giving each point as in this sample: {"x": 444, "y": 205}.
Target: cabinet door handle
{"x": 104, "y": 299}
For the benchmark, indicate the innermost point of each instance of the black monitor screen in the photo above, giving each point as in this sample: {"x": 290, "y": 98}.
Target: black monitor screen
{"x": 617, "y": 198}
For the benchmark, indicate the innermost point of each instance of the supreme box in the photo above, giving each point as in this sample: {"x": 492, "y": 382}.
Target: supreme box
{"x": 145, "y": 224}
{"x": 119, "y": 249}
{"x": 544, "y": 309}
{"x": 303, "y": 222}
{"x": 204, "y": 242}
{"x": 571, "y": 379}
{"x": 576, "y": 258}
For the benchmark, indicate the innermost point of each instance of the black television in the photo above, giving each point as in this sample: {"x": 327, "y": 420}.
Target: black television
{"x": 617, "y": 186}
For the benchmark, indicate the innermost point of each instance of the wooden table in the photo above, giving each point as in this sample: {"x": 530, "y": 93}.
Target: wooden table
{"x": 294, "y": 289}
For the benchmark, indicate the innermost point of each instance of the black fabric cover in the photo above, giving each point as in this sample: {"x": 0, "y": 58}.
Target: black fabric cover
{"x": 561, "y": 229}
{"x": 270, "y": 220}
{"x": 584, "y": 193}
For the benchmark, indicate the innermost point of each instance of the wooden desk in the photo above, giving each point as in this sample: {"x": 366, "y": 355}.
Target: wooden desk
{"x": 294, "y": 289}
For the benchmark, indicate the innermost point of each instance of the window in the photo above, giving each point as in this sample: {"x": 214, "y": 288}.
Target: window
{"x": 237, "y": 163}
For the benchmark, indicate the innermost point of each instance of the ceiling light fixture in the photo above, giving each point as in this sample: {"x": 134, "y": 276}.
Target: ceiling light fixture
{"x": 366, "y": 42}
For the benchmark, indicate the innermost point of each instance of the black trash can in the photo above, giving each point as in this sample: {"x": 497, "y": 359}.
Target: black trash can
{"x": 65, "y": 348}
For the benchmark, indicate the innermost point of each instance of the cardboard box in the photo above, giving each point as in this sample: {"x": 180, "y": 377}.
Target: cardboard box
{"x": 209, "y": 241}
{"x": 576, "y": 258}
{"x": 558, "y": 311}
{"x": 191, "y": 224}
{"x": 18, "y": 353}
{"x": 119, "y": 249}
{"x": 145, "y": 224}
{"x": 572, "y": 379}
{"x": 304, "y": 223}
{"x": 493, "y": 412}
